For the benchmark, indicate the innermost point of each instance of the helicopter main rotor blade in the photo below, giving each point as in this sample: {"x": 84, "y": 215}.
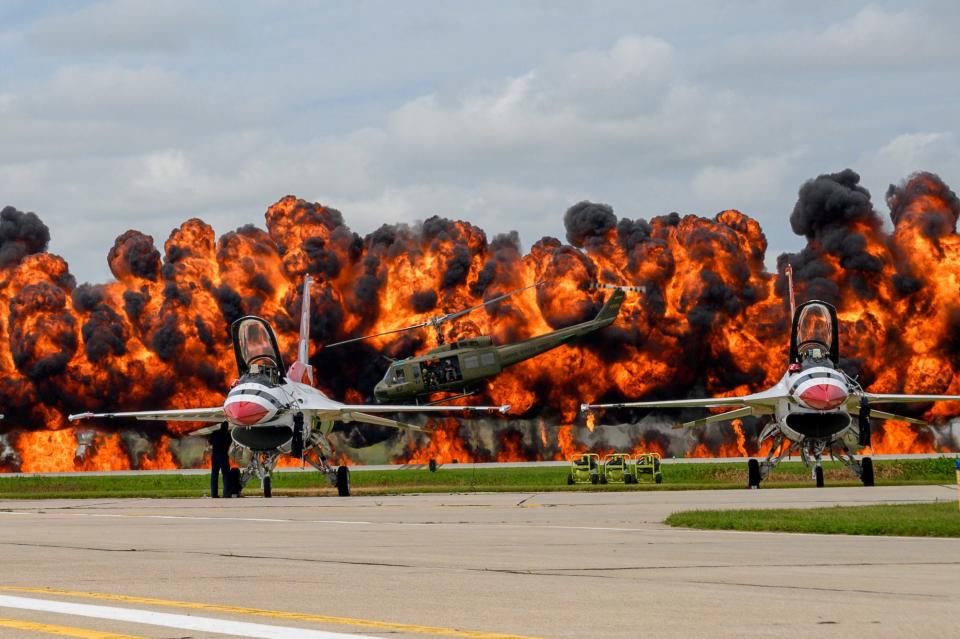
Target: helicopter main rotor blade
{"x": 436, "y": 320}
{"x": 450, "y": 316}
{"x": 391, "y": 331}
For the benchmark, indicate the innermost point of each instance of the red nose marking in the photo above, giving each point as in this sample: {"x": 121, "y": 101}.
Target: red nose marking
{"x": 823, "y": 396}
{"x": 244, "y": 413}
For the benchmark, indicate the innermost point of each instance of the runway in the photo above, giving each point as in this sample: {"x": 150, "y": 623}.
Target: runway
{"x": 482, "y": 566}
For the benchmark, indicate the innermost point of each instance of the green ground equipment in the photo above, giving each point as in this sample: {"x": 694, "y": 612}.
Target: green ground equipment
{"x": 585, "y": 469}
{"x": 617, "y": 469}
{"x": 647, "y": 468}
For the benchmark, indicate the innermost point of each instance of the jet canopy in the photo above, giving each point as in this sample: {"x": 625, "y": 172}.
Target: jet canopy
{"x": 814, "y": 334}
{"x": 255, "y": 346}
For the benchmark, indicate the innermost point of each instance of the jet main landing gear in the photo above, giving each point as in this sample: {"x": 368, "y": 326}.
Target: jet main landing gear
{"x": 757, "y": 470}
{"x": 316, "y": 456}
{"x": 343, "y": 481}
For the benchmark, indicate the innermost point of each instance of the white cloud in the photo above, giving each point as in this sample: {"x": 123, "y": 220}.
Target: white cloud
{"x": 128, "y": 25}
{"x": 626, "y": 104}
{"x": 891, "y": 163}
{"x": 108, "y": 109}
{"x": 760, "y": 177}
{"x": 145, "y": 147}
{"x": 505, "y": 125}
{"x": 873, "y": 38}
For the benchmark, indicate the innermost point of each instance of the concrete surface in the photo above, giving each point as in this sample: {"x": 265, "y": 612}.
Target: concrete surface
{"x": 547, "y": 565}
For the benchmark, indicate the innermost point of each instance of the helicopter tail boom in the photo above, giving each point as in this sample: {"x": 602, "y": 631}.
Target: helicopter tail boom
{"x": 610, "y": 309}
{"x": 514, "y": 353}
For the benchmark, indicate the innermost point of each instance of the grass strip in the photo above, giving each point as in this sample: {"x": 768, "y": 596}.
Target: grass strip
{"x": 938, "y": 519}
{"x": 451, "y": 478}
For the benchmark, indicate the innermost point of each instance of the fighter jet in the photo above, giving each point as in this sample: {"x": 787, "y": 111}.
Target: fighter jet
{"x": 816, "y": 407}
{"x": 272, "y": 413}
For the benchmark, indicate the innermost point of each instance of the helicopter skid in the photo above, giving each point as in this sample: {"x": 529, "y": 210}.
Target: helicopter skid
{"x": 449, "y": 398}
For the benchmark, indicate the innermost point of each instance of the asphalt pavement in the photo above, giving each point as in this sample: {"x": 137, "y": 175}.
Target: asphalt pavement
{"x": 482, "y": 566}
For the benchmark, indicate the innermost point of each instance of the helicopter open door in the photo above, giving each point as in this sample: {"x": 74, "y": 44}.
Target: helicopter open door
{"x": 815, "y": 334}
{"x": 255, "y": 347}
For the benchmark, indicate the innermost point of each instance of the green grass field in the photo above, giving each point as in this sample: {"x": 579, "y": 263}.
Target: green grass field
{"x": 451, "y": 478}
{"x": 941, "y": 519}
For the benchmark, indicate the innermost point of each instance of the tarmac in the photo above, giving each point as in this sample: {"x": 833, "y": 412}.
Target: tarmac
{"x": 480, "y": 566}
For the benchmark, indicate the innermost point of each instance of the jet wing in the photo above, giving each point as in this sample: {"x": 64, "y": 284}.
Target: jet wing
{"x": 746, "y": 411}
{"x": 885, "y": 398}
{"x": 183, "y": 415}
{"x": 325, "y": 408}
{"x": 763, "y": 400}
{"x": 379, "y": 421}
{"x": 879, "y": 414}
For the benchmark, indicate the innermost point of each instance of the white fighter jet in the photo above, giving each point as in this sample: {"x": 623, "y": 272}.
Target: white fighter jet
{"x": 273, "y": 414}
{"x": 816, "y": 407}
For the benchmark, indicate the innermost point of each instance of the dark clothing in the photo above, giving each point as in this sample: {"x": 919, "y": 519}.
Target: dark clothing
{"x": 220, "y": 441}
{"x": 221, "y": 466}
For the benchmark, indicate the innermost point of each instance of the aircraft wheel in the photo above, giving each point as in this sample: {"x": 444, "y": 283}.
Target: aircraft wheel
{"x": 818, "y": 474}
{"x": 658, "y": 478}
{"x": 866, "y": 471}
{"x": 267, "y": 488}
{"x": 753, "y": 474}
{"x": 236, "y": 485}
{"x": 569, "y": 479}
{"x": 343, "y": 481}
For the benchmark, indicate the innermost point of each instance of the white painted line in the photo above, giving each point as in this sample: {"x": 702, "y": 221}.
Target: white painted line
{"x": 167, "y": 620}
{"x": 199, "y": 518}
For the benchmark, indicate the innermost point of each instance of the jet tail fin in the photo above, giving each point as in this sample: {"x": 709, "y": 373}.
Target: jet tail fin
{"x": 301, "y": 371}
{"x": 793, "y": 300}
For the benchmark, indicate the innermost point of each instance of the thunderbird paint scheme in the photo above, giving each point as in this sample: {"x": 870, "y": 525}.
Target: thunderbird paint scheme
{"x": 274, "y": 414}
{"x": 815, "y": 408}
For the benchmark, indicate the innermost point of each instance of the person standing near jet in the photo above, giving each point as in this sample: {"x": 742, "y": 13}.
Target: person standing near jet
{"x": 220, "y": 442}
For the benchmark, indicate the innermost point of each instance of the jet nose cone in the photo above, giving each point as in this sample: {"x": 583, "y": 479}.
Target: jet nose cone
{"x": 244, "y": 413}
{"x": 823, "y": 396}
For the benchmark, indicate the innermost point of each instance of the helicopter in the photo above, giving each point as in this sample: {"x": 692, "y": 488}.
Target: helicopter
{"x": 460, "y": 367}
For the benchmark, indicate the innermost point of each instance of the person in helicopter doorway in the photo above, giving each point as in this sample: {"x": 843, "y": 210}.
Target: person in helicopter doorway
{"x": 220, "y": 442}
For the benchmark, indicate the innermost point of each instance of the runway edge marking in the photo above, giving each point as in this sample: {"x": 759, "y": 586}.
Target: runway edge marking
{"x": 63, "y": 631}
{"x": 274, "y": 614}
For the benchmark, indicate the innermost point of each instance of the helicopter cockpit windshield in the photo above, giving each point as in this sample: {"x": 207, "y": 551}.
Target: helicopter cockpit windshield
{"x": 814, "y": 332}
{"x": 255, "y": 347}
{"x": 395, "y": 375}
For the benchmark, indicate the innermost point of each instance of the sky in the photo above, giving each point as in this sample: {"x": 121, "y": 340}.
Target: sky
{"x": 123, "y": 114}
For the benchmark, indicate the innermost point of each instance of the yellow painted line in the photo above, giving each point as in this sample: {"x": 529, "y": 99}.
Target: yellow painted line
{"x": 275, "y": 614}
{"x": 63, "y": 631}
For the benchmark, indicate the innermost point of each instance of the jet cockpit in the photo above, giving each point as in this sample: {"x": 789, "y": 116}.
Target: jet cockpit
{"x": 814, "y": 339}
